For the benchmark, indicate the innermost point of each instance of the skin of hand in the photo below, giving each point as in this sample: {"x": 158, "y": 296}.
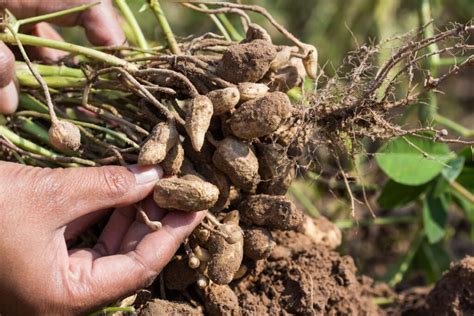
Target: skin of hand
{"x": 99, "y": 22}
{"x": 42, "y": 209}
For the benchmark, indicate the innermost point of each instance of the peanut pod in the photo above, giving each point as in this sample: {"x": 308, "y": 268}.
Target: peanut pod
{"x": 273, "y": 212}
{"x": 162, "y": 138}
{"x": 189, "y": 193}
{"x": 260, "y": 117}
{"x": 238, "y": 161}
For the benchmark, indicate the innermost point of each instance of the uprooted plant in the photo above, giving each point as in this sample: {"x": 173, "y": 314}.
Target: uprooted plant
{"x": 216, "y": 114}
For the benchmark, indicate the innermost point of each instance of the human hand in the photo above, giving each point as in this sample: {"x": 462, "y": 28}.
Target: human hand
{"x": 100, "y": 23}
{"x": 41, "y": 209}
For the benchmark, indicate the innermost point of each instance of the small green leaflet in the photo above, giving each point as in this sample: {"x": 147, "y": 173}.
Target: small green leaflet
{"x": 403, "y": 159}
{"x": 435, "y": 216}
{"x": 396, "y": 195}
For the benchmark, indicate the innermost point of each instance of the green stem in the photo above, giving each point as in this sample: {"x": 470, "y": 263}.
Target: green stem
{"x": 28, "y": 80}
{"x": 116, "y": 135}
{"x": 39, "y": 18}
{"x": 230, "y": 28}
{"x": 30, "y": 103}
{"x": 133, "y": 23}
{"x": 165, "y": 26}
{"x": 345, "y": 224}
{"x": 456, "y": 127}
{"x": 444, "y": 61}
{"x": 34, "y": 129}
{"x": 218, "y": 24}
{"x": 34, "y": 148}
{"x": 431, "y": 110}
{"x": 48, "y": 70}
{"x": 72, "y": 48}
{"x": 397, "y": 277}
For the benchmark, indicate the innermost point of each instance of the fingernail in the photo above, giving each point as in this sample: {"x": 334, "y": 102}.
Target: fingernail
{"x": 8, "y": 98}
{"x": 146, "y": 174}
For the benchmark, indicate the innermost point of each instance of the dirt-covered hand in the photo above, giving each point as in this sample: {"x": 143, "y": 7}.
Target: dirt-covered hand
{"x": 41, "y": 210}
{"x": 100, "y": 23}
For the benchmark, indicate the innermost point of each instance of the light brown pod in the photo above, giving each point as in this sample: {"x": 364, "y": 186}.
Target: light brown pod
{"x": 162, "y": 138}
{"x": 273, "y": 212}
{"x": 284, "y": 79}
{"x": 282, "y": 58}
{"x": 238, "y": 161}
{"x": 249, "y": 90}
{"x": 174, "y": 160}
{"x": 247, "y": 62}
{"x": 221, "y": 300}
{"x": 185, "y": 194}
{"x": 64, "y": 136}
{"x": 256, "y": 32}
{"x": 258, "y": 243}
{"x": 178, "y": 275}
{"x": 225, "y": 257}
{"x": 276, "y": 170}
{"x": 322, "y": 231}
{"x": 220, "y": 180}
{"x": 224, "y": 100}
{"x": 260, "y": 117}
{"x": 198, "y": 118}
{"x": 310, "y": 62}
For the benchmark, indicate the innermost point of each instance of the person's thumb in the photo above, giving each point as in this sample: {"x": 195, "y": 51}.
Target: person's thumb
{"x": 8, "y": 91}
{"x": 68, "y": 194}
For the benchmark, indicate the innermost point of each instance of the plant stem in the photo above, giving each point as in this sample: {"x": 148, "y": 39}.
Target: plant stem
{"x": 230, "y": 28}
{"x": 30, "y": 103}
{"x": 458, "y": 128}
{"x": 48, "y": 70}
{"x": 34, "y": 148}
{"x": 72, "y": 48}
{"x": 345, "y": 224}
{"x": 39, "y": 18}
{"x": 116, "y": 135}
{"x": 28, "y": 80}
{"x": 462, "y": 191}
{"x": 218, "y": 24}
{"x": 165, "y": 26}
{"x": 133, "y": 23}
{"x": 34, "y": 129}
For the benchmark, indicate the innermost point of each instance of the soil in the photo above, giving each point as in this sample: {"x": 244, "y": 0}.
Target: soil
{"x": 246, "y": 62}
{"x": 452, "y": 295}
{"x": 303, "y": 278}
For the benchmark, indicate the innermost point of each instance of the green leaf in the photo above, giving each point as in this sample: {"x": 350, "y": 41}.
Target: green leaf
{"x": 395, "y": 194}
{"x": 435, "y": 216}
{"x": 433, "y": 259}
{"x": 453, "y": 169}
{"x": 413, "y": 161}
{"x": 466, "y": 178}
{"x": 468, "y": 154}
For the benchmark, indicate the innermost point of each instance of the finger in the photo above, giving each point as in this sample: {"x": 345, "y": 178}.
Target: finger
{"x": 111, "y": 277}
{"x": 102, "y": 25}
{"x": 48, "y": 55}
{"x": 60, "y": 196}
{"x": 8, "y": 91}
{"x": 100, "y": 21}
{"x": 77, "y": 227}
{"x": 138, "y": 230}
{"x": 111, "y": 237}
